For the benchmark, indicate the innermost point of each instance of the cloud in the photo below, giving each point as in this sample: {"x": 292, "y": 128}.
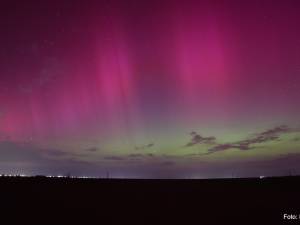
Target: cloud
{"x": 265, "y": 136}
{"x": 150, "y": 145}
{"x": 114, "y": 158}
{"x": 20, "y": 157}
{"x": 91, "y": 149}
{"x": 198, "y": 139}
{"x": 296, "y": 139}
{"x": 129, "y": 157}
{"x": 143, "y": 147}
{"x": 57, "y": 153}
{"x": 141, "y": 155}
{"x": 11, "y": 151}
{"x": 221, "y": 147}
{"x": 19, "y": 152}
{"x": 271, "y": 134}
{"x": 135, "y": 155}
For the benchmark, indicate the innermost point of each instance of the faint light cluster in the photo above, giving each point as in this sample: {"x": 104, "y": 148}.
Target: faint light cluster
{"x": 14, "y": 175}
{"x": 50, "y": 176}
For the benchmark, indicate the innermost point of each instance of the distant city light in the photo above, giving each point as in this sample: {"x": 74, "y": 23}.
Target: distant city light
{"x": 50, "y": 176}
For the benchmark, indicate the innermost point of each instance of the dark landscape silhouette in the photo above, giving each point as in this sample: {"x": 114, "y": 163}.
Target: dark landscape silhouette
{"x": 148, "y": 201}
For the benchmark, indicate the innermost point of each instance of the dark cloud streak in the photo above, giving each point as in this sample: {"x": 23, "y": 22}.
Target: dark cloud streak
{"x": 144, "y": 147}
{"x": 92, "y": 149}
{"x": 198, "y": 139}
{"x": 265, "y": 136}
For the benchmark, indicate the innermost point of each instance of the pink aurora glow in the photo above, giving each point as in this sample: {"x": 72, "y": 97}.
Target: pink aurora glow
{"x": 116, "y": 68}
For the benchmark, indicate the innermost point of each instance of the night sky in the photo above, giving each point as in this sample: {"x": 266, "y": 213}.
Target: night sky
{"x": 150, "y": 89}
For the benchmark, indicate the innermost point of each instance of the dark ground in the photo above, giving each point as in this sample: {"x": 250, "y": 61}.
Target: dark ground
{"x": 55, "y": 201}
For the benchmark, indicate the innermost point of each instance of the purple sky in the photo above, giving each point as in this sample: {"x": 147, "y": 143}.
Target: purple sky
{"x": 150, "y": 88}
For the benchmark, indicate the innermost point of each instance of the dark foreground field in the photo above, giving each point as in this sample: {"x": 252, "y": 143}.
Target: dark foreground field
{"x": 112, "y": 201}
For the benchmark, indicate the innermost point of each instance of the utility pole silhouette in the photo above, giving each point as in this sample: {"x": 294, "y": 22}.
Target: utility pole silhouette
{"x": 107, "y": 174}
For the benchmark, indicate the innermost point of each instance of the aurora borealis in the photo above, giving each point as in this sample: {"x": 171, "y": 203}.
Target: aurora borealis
{"x": 150, "y": 88}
